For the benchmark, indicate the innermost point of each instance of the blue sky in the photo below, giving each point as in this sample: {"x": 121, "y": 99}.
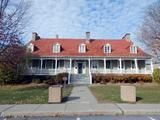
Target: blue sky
{"x": 72, "y": 18}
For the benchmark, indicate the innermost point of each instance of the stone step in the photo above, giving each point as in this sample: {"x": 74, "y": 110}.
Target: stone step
{"x": 80, "y": 79}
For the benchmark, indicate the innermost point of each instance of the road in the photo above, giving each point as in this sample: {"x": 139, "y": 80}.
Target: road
{"x": 108, "y": 117}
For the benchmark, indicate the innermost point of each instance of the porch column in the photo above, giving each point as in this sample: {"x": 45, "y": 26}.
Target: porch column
{"x": 136, "y": 65}
{"x": 41, "y": 63}
{"x": 89, "y": 67}
{"x": 89, "y": 64}
{"x": 120, "y": 65}
{"x": 70, "y": 69}
{"x": 55, "y": 65}
{"x": 104, "y": 65}
{"x": 70, "y": 65}
{"x": 151, "y": 65}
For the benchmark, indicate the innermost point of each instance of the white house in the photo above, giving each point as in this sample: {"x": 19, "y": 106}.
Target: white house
{"x": 82, "y": 57}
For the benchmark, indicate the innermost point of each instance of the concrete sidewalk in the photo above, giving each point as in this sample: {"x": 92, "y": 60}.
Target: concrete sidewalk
{"x": 79, "y": 109}
{"x": 81, "y": 94}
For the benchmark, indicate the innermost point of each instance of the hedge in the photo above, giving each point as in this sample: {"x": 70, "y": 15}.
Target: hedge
{"x": 120, "y": 78}
{"x": 156, "y": 75}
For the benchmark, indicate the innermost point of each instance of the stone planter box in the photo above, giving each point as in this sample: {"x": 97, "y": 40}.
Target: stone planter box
{"x": 128, "y": 93}
{"x": 55, "y": 94}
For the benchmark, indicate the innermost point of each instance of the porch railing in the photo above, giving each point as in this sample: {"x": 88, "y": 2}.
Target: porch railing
{"x": 38, "y": 71}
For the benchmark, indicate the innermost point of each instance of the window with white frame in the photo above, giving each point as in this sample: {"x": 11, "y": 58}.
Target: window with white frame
{"x": 107, "y": 48}
{"x": 94, "y": 65}
{"x": 82, "y": 48}
{"x": 133, "y": 49}
{"x": 132, "y": 64}
{"x": 108, "y": 64}
{"x": 56, "y": 48}
{"x": 30, "y": 47}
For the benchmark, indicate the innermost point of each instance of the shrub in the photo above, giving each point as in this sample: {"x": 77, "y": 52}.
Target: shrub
{"x": 56, "y": 79}
{"x": 156, "y": 75}
{"x": 7, "y": 75}
{"x": 120, "y": 78}
{"x": 36, "y": 80}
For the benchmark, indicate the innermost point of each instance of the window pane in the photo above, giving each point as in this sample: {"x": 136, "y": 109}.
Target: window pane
{"x": 108, "y": 64}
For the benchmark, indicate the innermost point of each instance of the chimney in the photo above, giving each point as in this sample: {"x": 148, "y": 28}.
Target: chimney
{"x": 35, "y": 36}
{"x": 57, "y": 36}
{"x": 126, "y": 37}
{"x": 87, "y": 36}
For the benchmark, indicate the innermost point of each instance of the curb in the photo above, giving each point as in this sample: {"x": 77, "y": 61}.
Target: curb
{"x": 55, "y": 114}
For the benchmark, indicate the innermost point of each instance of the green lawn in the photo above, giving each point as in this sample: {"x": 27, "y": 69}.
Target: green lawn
{"x": 111, "y": 93}
{"x": 27, "y": 94}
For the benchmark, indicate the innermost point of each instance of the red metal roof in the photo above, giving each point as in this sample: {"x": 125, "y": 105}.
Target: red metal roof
{"x": 69, "y": 47}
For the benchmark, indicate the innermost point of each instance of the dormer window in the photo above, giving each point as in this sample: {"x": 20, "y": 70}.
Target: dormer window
{"x": 82, "y": 48}
{"x": 30, "y": 47}
{"x": 56, "y": 48}
{"x": 133, "y": 49}
{"x": 107, "y": 48}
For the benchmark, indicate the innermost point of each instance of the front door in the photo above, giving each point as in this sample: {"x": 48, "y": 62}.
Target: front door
{"x": 80, "y": 68}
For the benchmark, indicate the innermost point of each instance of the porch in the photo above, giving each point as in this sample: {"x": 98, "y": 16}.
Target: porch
{"x": 53, "y": 66}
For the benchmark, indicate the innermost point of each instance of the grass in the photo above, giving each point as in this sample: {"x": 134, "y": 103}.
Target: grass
{"x": 27, "y": 94}
{"x": 111, "y": 93}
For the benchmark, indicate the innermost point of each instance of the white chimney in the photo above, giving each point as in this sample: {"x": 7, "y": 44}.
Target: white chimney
{"x": 126, "y": 36}
{"x": 57, "y": 36}
{"x": 35, "y": 36}
{"x": 87, "y": 36}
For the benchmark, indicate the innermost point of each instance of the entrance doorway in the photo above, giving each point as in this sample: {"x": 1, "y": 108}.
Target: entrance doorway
{"x": 80, "y": 68}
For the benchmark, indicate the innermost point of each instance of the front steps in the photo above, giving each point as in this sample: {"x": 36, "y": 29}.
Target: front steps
{"x": 80, "y": 79}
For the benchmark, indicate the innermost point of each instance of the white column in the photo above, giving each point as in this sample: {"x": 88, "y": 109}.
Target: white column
{"x": 120, "y": 65}
{"x": 151, "y": 66}
{"x": 104, "y": 65}
{"x": 70, "y": 65}
{"x": 41, "y": 63}
{"x": 55, "y": 65}
{"x": 89, "y": 67}
{"x": 136, "y": 65}
{"x": 89, "y": 64}
{"x": 70, "y": 69}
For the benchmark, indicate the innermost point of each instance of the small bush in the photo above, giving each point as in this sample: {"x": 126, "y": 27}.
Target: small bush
{"x": 36, "y": 80}
{"x": 56, "y": 79}
{"x": 156, "y": 75}
{"x": 121, "y": 78}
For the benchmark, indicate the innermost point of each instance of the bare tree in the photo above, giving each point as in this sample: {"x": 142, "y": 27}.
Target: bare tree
{"x": 12, "y": 14}
{"x": 150, "y": 29}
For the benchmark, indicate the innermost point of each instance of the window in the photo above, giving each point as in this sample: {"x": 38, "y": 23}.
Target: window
{"x": 108, "y": 64}
{"x": 133, "y": 49}
{"x": 30, "y": 47}
{"x": 132, "y": 64}
{"x": 94, "y": 65}
{"x": 56, "y": 48}
{"x": 82, "y": 48}
{"x": 107, "y": 48}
